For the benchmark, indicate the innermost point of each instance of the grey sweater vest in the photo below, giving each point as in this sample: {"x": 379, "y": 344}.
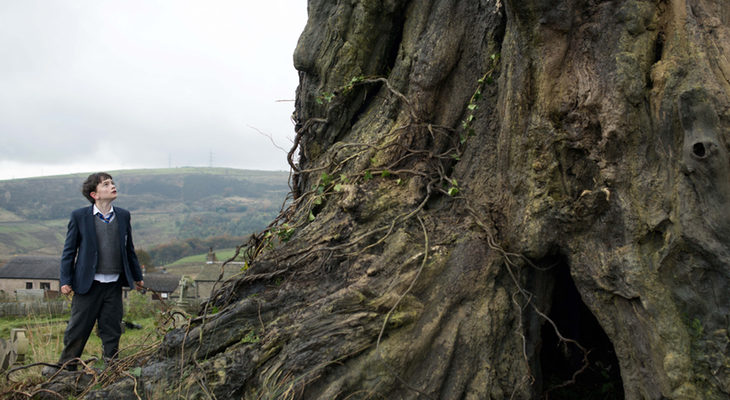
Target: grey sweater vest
{"x": 107, "y": 238}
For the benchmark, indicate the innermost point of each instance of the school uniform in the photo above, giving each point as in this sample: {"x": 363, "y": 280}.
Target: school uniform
{"x": 98, "y": 259}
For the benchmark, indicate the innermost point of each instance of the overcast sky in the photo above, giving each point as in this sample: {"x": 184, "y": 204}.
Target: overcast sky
{"x": 89, "y": 85}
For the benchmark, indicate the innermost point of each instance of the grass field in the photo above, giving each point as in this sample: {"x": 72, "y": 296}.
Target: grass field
{"x": 7, "y": 216}
{"x": 40, "y": 237}
{"x": 221, "y": 255}
{"x": 45, "y": 336}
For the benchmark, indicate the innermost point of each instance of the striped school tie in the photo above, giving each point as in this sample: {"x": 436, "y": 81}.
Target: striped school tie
{"x": 106, "y": 219}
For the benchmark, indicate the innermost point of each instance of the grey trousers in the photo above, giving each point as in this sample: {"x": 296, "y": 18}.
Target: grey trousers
{"x": 102, "y": 303}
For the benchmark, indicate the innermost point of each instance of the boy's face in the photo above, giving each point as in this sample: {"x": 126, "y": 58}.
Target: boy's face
{"x": 106, "y": 190}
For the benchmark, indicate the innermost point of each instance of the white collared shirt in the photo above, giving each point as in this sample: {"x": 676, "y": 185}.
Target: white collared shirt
{"x": 105, "y": 278}
{"x": 111, "y": 212}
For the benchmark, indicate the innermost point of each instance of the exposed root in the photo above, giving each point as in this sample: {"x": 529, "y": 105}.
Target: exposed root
{"x": 389, "y": 368}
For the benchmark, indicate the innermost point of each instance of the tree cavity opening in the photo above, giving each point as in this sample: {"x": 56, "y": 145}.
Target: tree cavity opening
{"x": 699, "y": 150}
{"x": 559, "y": 361}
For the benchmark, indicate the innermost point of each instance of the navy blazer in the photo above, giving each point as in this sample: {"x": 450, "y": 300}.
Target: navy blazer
{"x": 80, "y": 252}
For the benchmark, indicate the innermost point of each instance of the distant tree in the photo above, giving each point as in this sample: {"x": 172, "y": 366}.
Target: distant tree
{"x": 144, "y": 258}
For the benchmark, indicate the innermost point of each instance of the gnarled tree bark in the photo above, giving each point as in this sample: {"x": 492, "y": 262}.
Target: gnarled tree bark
{"x": 478, "y": 183}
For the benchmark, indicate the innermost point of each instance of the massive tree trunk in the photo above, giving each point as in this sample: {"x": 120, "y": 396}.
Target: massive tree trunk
{"x": 493, "y": 199}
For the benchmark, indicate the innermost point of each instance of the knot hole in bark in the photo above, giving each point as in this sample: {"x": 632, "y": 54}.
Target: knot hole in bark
{"x": 699, "y": 151}
{"x": 600, "y": 376}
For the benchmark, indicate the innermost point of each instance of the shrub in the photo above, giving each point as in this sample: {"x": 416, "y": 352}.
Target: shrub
{"x": 140, "y": 306}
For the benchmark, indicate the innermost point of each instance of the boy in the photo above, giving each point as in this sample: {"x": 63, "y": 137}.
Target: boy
{"x": 98, "y": 259}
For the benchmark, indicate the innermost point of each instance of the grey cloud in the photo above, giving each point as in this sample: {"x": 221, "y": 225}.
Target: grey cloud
{"x": 147, "y": 81}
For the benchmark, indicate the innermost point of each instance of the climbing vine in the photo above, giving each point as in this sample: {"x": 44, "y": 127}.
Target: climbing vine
{"x": 333, "y": 176}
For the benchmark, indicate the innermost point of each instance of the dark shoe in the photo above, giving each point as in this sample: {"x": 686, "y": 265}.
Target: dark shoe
{"x": 48, "y": 371}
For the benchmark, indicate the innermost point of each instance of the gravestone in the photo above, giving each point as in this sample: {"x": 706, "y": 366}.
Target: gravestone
{"x": 7, "y": 354}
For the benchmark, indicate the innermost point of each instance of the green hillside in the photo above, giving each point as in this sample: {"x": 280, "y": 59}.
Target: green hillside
{"x": 167, "y": 205}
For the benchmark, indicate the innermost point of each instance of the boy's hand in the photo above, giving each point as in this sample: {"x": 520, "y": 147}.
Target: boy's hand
{"x": 66, "y": 289}
{"x": 139, "y": 285}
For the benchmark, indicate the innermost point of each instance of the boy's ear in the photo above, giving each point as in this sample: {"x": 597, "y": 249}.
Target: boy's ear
{"x": 93, "y": 195}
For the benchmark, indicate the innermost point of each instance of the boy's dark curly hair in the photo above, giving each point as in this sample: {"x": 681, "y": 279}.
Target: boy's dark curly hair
{"x": 91, "y": 182}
